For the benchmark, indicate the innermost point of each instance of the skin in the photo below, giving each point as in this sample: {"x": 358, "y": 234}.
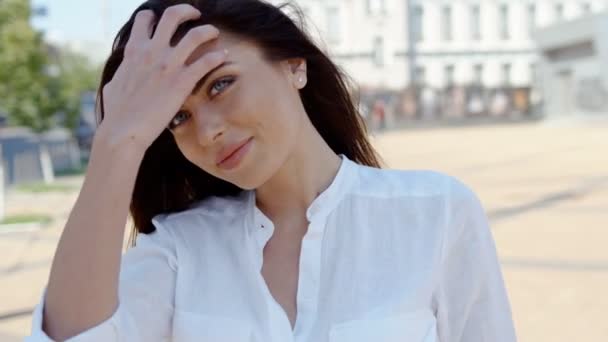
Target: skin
{"x": 288, "y": 164}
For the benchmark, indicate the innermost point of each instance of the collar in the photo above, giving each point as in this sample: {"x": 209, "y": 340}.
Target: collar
{"x": 320, "y": 207}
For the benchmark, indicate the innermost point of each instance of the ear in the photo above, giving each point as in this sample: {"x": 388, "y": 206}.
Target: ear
{"x": 297, "y": 72}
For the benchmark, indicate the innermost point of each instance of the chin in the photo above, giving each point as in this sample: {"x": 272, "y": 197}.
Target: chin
{"x": 245, "y": 182}
{"x": 253, "y": 173}
{"x": 251, "y": 180}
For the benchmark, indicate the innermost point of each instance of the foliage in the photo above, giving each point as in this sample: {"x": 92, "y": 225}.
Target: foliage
{"x": 40, "y": 85}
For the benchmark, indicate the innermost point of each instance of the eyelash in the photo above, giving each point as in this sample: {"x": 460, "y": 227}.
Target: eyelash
{"x": 172, "y": 125}
{"x": 228, "y": 80}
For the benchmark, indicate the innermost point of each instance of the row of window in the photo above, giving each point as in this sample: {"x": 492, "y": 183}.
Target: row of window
{"x": 503, "y": 23}
{"x": 420, "y": 76}
{"x": 333, "y": 20}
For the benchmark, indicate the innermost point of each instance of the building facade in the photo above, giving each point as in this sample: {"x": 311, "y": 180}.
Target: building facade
{"x": 391, "y": 44}
{"x": 573, "y": 56}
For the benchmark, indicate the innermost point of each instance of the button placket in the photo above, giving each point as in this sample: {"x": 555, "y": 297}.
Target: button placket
{"x": 308, "y": 280}
{"x": 263, "y": 229}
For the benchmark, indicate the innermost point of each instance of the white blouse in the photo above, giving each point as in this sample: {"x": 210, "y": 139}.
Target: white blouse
{"x": 389, "y": 256}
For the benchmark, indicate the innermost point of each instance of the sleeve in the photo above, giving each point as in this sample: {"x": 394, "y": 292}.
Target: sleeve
{"x": 470, "y": 298}
{"x": 146, "y": 295}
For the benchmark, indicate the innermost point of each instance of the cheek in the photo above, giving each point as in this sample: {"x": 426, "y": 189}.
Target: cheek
{"x": 185, "y": 149}
{"x": 288, "y": 118}
{"x": 281, "y": 132}
{"x": 192, "y": 151}
{"x": 277, "y": 110}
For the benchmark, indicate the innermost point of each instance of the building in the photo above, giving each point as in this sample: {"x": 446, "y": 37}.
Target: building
{"x": 363, "y": 36}
{"x": 572, "y": 68}
{"x": 391, "y": 44}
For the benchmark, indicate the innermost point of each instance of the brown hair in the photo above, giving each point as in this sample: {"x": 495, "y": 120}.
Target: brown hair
{"x": 167, "y": 181}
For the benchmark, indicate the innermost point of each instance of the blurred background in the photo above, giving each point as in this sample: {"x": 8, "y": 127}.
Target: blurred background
{"x": 509, "y": 96}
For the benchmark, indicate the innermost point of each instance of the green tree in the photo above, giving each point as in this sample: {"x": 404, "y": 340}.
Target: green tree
{"x": 74, "y": 74}
{"x": 38, "y": 81}
{"x": 24, "y": 94}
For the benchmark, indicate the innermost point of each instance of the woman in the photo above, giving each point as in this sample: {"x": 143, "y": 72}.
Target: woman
{"x": 262, "y": 210}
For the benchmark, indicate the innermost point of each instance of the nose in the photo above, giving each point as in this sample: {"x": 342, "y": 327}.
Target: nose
{"x": 210, "y": 126}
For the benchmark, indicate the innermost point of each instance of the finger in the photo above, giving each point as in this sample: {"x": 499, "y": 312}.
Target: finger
{"x": 142, "y": 26}
{"x": 171, "y": 19}
{"x": 196, "y": 71}
{"x": 192, "y": 40}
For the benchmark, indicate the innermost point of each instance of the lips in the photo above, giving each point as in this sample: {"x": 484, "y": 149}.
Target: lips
{"x": 229, "y": 150}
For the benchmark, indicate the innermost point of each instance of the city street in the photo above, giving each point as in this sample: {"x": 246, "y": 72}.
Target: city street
{"x": 543, "y": 185}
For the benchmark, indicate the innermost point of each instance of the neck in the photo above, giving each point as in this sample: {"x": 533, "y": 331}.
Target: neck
{"x": 307, "y": 172}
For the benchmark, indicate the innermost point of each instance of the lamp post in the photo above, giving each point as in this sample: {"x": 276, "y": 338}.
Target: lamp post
{"x": 411, "y": 42}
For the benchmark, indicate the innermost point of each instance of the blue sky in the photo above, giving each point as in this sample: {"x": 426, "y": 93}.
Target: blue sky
{"x": 77, "y": 20}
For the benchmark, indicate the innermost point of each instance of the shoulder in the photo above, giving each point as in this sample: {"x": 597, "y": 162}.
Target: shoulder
{"x": 428, "y": 192}
{"x": 423, "y": 183}
{"x": 212, "y": 214}
{"x": 208, "y": 208}
{"x": 432, "y": 196}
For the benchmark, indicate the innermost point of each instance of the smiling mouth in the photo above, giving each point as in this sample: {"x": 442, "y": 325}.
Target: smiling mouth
{"x": 234, "y": 159}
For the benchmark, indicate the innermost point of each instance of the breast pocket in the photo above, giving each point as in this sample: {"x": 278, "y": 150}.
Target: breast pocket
{"x": 191, "y": 327}
{"x": 416, "y": 326}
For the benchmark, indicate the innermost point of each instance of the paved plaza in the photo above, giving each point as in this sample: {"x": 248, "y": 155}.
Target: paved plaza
{"x": 544, "y": 187}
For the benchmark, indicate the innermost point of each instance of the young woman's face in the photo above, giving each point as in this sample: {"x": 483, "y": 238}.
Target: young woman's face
{"x": 247, "y": 100}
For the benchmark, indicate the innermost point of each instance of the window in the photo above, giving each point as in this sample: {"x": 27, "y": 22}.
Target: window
{"x": 333, "y": 24}
{"x": 418, "y": 24}
{"x": 586, "y": 7}
{"x": 376, "y": 6}
{"x": 446, "y": 23}
{"x": 478, "y": 74}
{"x": 506, "y": 74}
{"x": 449, "y": 75}
{"x": 379, "y": 51}
{"x": 504, "y": 21}
{"x": 559, "y": 11}
{"x": 419, "y": 75}
{"x": 475, "y": 23}
{"x": 531, "y": 18}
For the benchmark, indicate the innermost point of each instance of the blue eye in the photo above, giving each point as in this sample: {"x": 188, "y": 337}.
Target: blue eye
{"x": 220, "y": 85}
{"x": 178, "y": 119}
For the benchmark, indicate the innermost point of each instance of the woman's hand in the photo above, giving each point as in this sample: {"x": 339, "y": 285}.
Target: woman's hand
{"x": 153, "y": 80}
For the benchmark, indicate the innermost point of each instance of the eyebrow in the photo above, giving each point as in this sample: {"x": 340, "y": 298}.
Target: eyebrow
{"x": 202, "y": 81}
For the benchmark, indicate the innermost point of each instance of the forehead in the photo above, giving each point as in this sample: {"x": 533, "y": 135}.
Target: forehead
{"x": 239, "y": 49}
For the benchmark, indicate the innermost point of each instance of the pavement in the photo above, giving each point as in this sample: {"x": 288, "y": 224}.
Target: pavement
{"x": 544, "y": 186}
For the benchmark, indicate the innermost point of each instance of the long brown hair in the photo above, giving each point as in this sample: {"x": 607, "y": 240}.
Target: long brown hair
{"x": 167, "y": 181}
